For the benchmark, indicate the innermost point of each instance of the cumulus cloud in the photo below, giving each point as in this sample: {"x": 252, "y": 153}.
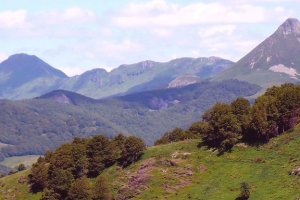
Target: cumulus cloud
{"x": 159, "y": 13}
{"x": 217, "y": 30}
{"x": 70, "y": 15}
{"x": 13, "y": 19}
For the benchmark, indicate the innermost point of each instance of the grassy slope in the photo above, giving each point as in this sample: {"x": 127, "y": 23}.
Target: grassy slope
{"x": 265, "y": 168}
{"x": 11, "y": 189}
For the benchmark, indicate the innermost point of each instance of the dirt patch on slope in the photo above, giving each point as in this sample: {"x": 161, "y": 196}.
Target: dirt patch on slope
{"x": 137, "y": 183}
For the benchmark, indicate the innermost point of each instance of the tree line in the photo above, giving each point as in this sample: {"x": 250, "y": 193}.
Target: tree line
{"x": 224, "y": 125}
{"x": 64, "y": 173}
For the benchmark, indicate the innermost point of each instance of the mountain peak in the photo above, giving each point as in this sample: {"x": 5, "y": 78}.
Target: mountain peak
{"x": 67, "y": 97}
{"x": 21, "y": 56}
{"x": 19, "y": 63}
{"x": 290, "y": 26}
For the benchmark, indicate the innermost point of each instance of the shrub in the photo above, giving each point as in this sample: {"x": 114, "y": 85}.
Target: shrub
{"x": 245, "y": 192}
{"x": 21, "y": 167}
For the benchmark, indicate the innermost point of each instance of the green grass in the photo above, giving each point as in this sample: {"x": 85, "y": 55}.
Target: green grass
{"x": 265, "y": 169}
{"x": 14, "y": 161}
{"x": 11, "y": 189}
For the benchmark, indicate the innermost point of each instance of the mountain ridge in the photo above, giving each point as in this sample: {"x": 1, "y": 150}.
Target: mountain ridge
{"x": 274, "y": 61}
{"x": 34, "y": 77}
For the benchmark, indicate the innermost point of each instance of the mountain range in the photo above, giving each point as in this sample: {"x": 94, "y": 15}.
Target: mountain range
{"x": 24, "y": 76}
{"x": 276, "y": 60}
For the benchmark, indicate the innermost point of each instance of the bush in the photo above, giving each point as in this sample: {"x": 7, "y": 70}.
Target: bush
{"x": 245, "y": 192}
{"x": 21, "y": 167}
{"x": 175, "y": 135}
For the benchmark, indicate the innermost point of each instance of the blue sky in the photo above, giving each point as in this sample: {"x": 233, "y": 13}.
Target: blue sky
{"x": 78, "y": 35}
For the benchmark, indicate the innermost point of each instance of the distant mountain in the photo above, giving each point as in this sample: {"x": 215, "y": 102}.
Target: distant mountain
{"x": 33, "y": 126}
{"x": 67, "y": 97}
{"x": 276, "y": 60}
{"x": 145, "y": 76}
{"x": 23, "y": 76}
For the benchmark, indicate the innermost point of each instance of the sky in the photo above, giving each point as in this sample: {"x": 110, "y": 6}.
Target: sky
{"x": 78, "y": 35}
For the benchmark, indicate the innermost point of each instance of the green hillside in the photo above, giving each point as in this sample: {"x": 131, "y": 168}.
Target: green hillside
{"x": 184, "y": 171}
{"x": 30, "y": 127}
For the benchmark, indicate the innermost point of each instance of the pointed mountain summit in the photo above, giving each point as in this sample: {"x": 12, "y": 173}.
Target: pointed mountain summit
{"x": 290, "y": 26}
{"x": 27, "y": 75}
{"x": 33, "y": 66}
{"x": 275, "y": 61}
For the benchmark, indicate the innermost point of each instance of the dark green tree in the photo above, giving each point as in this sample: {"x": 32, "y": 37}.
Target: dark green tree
{"x": 79, "y": 159}
{"x": 81, "y": 189}
{"x": 60, "y": 182}
{"x": 118, "y": 143}
{"x": 38, "y": 176}
{"x": 50, "y": 195}
{"x": 264, "y": 117}
{"x": 224, "y": 128}
{"x": 132, "y": 151}
{"x": 199, "y": 128}
{"x": 101, "y": 153}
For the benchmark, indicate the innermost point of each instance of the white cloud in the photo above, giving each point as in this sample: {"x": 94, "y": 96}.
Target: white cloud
{"x": 13, "y": 19}
{"x": 163, "y": 33}
{"x": 70, "y": 15}
{"x": 217, "y": 30}
{"x": 156, "y": 29}
{"x": 159, "y": 13}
